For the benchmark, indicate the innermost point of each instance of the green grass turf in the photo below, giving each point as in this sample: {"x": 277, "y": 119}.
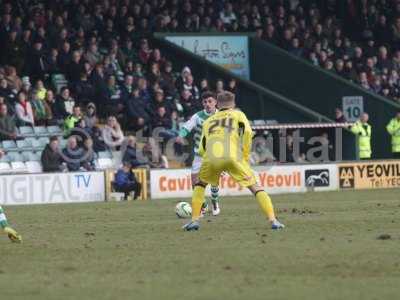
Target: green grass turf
{"x": 137, "y": 250}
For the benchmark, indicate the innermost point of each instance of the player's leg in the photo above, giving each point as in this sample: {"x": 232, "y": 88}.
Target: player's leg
{"x": 265, "y": 202}
{"x": 196, "y": 164}
{"x": 197, "y": 204}
{"x": 244, "y": 175}
{"x": 215, "y": 200}
{"x": 207, "y": 175}
{"x": 11, "y": 233}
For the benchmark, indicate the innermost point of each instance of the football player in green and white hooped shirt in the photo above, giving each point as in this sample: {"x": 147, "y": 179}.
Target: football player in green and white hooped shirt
{"x": 11, "y": 233}
{"x": 195, "y": 124}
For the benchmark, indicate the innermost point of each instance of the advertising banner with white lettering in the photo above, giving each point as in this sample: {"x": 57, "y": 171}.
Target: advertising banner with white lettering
{"x": 229, "y": 52}
{"x": 52, "y": 188}
{"x": 275, "y": 179}
{"x": 369, "y": 175}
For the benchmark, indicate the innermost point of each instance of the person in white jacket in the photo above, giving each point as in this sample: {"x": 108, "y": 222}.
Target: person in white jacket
{"x": 112, "y": 133}
{"x": 24, "y": 112}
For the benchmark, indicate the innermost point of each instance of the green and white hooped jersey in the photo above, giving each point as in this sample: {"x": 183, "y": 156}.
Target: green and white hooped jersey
{"x": 195, "y": 124}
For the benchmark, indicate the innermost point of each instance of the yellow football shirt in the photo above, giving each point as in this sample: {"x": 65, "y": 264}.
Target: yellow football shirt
{"x": 226, "y": 135}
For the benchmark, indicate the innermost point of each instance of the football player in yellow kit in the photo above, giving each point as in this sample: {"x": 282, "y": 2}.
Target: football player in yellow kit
{"x": 225, "y": 146}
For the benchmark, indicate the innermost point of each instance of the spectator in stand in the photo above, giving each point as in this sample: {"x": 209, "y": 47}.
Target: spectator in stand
{"x": 6, "y": 92}
{"x": 111, "y": 99}
{"x": 227, "y": 15}
{"x": 204, "y": 86}
{"x": 24, "y": 112}
{"x": 131, "y": 153}
{"x": 126, "y": 89}
{"x": 137, "y": 111}
{"x": 125, "y": 182}
{"x": 183, "y": 77}
{"x": 144, "y": 91}
{"x": 57, "y": 111}
{"x": 232, "y": 86}
{"x": 89, "y": 162}
{"x": 13, "y": 80}
{"x": 71, "y": 121}
{"x": 163, "y": 123}
{"x": 98, "y": 141}
{"x": 8, "y": 130}
{"x": 84, "y": 90}
{"x": 189, "y": 105}
{"x": 90, "y": 117}
{"x": 144, "y": 51}
{"x": 159, "y": 100}
{"x": 65, "y": 100}
{"x": 41, "y": 112}
{"x": 154, "y": 74}
{"x": 75, "y": 68}
{"x": 219, "y": 86}
{"x": 73, "y": 155}
{"x": 138, "y": 71}
{"x": 81, "y": 131}
{"x": 92, "y": 55}
{"x": 112, "y": 133}
{"x": 36, "y": 66}
{"x": 339, "y": 116}
{"x": 153, "y": 155}
{"x": 52, "y": 65}
{"x": 188, "y": 85}
{"x": 51, "y": 158}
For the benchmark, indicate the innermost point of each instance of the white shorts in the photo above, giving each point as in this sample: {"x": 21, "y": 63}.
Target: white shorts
{"x": 196, "y": 164}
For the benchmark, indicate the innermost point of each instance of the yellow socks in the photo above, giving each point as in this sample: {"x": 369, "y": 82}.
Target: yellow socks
{"x": 197, "y": 201}
{"x": 266, "y": 204}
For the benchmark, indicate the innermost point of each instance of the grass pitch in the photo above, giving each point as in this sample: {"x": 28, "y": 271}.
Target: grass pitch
{"x": 339, "y": 245}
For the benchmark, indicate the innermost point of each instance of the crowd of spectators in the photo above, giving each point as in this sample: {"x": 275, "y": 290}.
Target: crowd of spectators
{"x": 117, "y": 78}
{"x": 116, "y": 82}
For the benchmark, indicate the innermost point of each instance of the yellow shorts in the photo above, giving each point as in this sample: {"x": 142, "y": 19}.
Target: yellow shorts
{"x": 239, "y": 171}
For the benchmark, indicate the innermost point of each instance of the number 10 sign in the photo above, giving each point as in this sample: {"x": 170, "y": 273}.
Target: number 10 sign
{"x": 353, "y": 107}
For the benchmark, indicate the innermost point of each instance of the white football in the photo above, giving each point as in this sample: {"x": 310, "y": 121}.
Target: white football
{"x": 183, "y": 210}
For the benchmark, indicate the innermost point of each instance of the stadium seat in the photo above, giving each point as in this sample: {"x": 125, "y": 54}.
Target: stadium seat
{"x": 26, "y": 131}
{"x": 35, "y": 143}
{"x": 31, "y": 156}
{"x": 34, "y": 167}
{"x": 18, "y": 167}
{"x": 105, "y": 154}
{"x": 117, "y": 158}
{"x": 5, "y": 158}
{"x": 15, "y": 157}
{"x": 24, "y": 144}
{"x": 9, "y": 145}
{"x": 40, "y": 131}
{"x": 5, "y": 167}
{"x": 43, "y": 141}
{"x": 104, "y": 163}
{"x": 54, "y": 130}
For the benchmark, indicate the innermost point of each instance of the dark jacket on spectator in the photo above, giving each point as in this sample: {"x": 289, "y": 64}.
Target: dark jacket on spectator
{"x": 7, "y": 128}
{"x": 84, "y": 91}
{"x": 130, "y": 157}
{"x": 51, "y": 161}
{"x": 58, "y": 109}
{"x": 89, "y": 162}
{"x": 138, "y": 108}
{"x": 164, "y": 121}
{"x": 73, "y": 158}
{"x": 98, "y": 142}
{"x": 123, "y": 178}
